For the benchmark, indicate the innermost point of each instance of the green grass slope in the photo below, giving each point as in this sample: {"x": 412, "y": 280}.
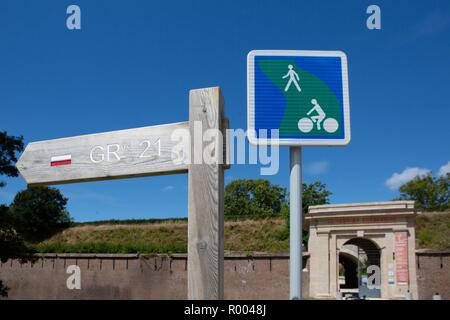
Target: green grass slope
{"x": 262, "y": 235}
{"x": 241, "y": 235}
{"x": 433, "y": 231}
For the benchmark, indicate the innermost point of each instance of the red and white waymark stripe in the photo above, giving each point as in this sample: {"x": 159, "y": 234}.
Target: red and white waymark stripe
{"x": 61, "y": 160}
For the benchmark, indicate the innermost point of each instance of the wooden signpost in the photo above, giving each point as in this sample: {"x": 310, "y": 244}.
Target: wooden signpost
{"x": 111, "y": 155}
{"x": 155, "y": 150}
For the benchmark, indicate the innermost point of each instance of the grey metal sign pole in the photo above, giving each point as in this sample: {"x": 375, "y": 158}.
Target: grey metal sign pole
{"x": 295, "y": 213}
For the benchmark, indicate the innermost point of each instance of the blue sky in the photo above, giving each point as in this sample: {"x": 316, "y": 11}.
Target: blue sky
{"x": 133, "y": 62}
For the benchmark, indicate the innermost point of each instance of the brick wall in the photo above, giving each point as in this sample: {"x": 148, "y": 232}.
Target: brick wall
{"x": 160, "y": 277}
{"x": 133, "y": 277}
{"x": 433, "y": 274}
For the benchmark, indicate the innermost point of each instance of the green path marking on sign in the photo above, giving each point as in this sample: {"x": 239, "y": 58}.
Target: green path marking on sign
{"x": 299, "y": 103}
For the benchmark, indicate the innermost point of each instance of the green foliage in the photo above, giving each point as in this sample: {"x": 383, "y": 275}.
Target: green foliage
{"x": 39, "y": 212}
{"x": 362, "y": 268}
{"x": 433, "y": 231}
{"x": 110, "y": 247}
{"x": 164, "y": 237}
{"x": 253, "y": 198}
{"x": 341, "y": 270}
{"x": 9, "y": 146}
{"x": 314, "y": 193}
{"x": 260, "y": 235}
{"x": 128, "y": 221}
{"x": 3, "y": 289}
{"x": 242, "y": 235}
{"x": 429, "y": 193}
{"x": 261, "y": 198}
{"x": 12, "y": 245}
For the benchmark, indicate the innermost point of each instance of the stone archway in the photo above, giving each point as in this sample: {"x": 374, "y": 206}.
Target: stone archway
{"x": 380, "y": 234}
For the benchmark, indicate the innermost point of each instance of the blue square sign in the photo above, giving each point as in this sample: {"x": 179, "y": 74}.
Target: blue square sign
{"x": 298, "y": 98}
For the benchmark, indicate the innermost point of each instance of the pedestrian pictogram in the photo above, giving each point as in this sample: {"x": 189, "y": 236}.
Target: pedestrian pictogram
{"x": 293, "y": 78}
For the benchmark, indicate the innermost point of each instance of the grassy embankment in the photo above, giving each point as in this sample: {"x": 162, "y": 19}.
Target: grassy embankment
{"x": 433, "y": 231}
{"x": 243, "y": 235}
{"x": 262, "y": 235}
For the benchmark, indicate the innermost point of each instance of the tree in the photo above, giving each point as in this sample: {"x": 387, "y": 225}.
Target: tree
{"x": 313, "y": 194}
{"x": 11, "y": 244}
{"x": 253, "y": 198}
{"x": 261, "y": 198}
{"x": 39, "y": 212}
{"x": 9, "y": 146}
{"x": 3, "y": 289}
{"x": 430, "y": 193}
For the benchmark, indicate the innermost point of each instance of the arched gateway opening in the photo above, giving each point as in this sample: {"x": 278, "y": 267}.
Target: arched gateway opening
{"x": 348, "y": 272}
{"x": 355, "y": 275}
{"x": 365, "y": 249}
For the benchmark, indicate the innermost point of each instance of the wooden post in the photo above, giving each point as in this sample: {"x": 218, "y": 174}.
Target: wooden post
{"x": 206, "y": 195}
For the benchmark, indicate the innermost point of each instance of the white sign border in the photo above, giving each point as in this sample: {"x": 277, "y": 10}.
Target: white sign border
{"x": 295, "y": 142}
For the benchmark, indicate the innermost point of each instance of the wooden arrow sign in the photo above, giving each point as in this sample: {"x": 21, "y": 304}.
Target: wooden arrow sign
{"x": 111, "y": 155}
{"x": 150, "y": 151}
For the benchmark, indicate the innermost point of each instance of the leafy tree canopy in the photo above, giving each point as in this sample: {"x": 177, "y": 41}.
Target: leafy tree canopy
{"x": 12, "y": 245}
{"x": 430, "y": 193}
{"x": 253, "y": 197}
{"x": 260, "y": 197}
{"x": 9, "y": 147}
{"x": 39, "y": 212}
{"x": 314, "y": 193}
